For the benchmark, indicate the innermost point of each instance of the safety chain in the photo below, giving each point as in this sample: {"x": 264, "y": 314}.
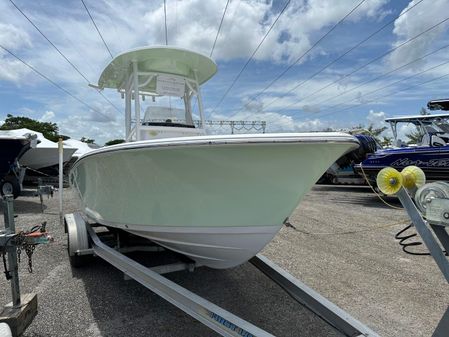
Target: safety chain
{"x": 7, "y": 273}
{"x": 20, "y": 241}
{"x": 27, "y": 247}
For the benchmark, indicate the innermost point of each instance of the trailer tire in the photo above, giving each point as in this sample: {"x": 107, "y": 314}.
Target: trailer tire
{"x": 78, "y": 261}
{"x": 10, "y": 185}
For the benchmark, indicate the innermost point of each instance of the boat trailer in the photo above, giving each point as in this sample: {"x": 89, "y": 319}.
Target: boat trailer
{"x": 427, "y": 205}
{"x": 434, "y": 226}
{"x": 18, "y": 315}
{"x": 85, "y": 240}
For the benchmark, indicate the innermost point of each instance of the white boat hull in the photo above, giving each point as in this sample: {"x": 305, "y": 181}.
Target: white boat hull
{"x": 41, "y": 157}
{"x": 216, "y": 199}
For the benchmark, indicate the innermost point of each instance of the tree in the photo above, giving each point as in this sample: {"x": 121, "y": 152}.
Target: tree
{"x": 49, "y": 130}
{"x": 371, "y": 131}
{"x": 87, "y": 140}
{"x": 414, "y": 137}
{"x": 424, "y": 111}
{"x": 114, "y": 141}
{"x": 386, "y": 141}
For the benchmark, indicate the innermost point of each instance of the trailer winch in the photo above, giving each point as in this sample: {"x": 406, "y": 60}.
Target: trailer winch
{"x": 428, "y": 207}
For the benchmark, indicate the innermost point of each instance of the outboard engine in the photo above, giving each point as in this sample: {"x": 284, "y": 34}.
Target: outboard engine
{"x": 342, "y": 172}
{"x": 368, "y": 145}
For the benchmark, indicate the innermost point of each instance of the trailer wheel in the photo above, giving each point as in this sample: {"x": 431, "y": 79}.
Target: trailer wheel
{"x": 10, "y": 185}
{"x": 77, "y": 240}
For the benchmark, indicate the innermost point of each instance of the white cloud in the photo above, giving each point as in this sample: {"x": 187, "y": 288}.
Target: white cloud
{"x": 413, "y": 23}
{"x": 277, "y": 122}
{"x": 48, "y": 116}
{"x": 377, "y": 119}
{"x": 404, "y": 129}
{"x": 12, "y": 70}
{"x": 195, "y": 25}
{"x": 12, "y": 37}
{"x": 192, "y": 24}
{"x": 79, "y": 126}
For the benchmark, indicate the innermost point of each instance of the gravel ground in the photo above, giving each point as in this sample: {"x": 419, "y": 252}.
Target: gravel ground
{"x": 343, "y": 247}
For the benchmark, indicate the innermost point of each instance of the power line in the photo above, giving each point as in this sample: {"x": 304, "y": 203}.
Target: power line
{"x": 219, "y": 28}
{"x": 395, "y": 92}
{"x": 377, "y": 58}
{"x": 344, "y": 54}
{"x": 45, "y": 37}
{"x": 383, "y": 75}
{"x": 52, "y": 82}
{"x": 251, "y": 57}
{"x": 165, "y": 20}
{"x": 373, "y": 79}
{"x": 98, "y": 31}
{"x": 61, "y": 53}
{"x": 308, "y": 50}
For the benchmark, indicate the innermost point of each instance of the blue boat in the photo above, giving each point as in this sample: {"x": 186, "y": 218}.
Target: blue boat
{"x": 431, "y": 153}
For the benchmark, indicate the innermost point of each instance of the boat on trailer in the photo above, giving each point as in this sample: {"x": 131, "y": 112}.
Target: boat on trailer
{"x": 431, "y": 153}
{"x": 12, "y": 149}
{"x": 217, "y": 199}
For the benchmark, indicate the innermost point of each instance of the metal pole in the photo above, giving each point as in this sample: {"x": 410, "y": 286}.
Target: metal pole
{"x": 127, "y": 113}
{"x": 12, "y": 252}
{"x": 61, "y": 187}
{"x": 200, "y": 100}
{"x": 136, "y": 99}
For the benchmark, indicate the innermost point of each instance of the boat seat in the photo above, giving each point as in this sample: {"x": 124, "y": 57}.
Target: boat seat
{"x": 425, "y": 140}
{"x": 437, "y": 141}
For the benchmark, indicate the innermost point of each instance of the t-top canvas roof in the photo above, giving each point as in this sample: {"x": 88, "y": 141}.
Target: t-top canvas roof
{"x": 416, "y": 118}
{"x": 161, "y": 59}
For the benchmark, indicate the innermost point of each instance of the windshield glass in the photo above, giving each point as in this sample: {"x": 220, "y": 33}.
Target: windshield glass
{"x": 167, "y": 110}
{"x": 442, "y": 124}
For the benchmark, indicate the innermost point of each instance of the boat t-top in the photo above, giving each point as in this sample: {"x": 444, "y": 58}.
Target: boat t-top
{"x": 216, "y": 199}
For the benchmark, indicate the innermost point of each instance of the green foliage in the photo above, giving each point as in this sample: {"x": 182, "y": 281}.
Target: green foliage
{"x": 114, "y": 141}
{"x": 386, "y": 141}
{"x": 424, "y": 111}
{"x": 371, "y": 131}
{"x": 87, "y": 140}
{"x": 49, "y": 130}
{"x": 414, "y": 137}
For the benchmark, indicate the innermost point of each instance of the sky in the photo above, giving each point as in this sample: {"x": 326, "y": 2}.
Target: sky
{"x": 317, "y": 68}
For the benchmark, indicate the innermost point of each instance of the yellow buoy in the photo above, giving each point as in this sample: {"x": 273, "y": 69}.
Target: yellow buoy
{"x": 389, "y": 180}
{"x": 413, "y": 176}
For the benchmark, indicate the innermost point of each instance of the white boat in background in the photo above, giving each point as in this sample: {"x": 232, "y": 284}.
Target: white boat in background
{"x": 81, "y": 147}
{"x": 216, "y": 199}
{"x": 45, "y": 154}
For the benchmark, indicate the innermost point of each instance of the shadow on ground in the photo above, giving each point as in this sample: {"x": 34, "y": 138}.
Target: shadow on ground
{"x": 243, "y": 290}
{"x": 26, "y": 206}
{"x": 356, "y": 195}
